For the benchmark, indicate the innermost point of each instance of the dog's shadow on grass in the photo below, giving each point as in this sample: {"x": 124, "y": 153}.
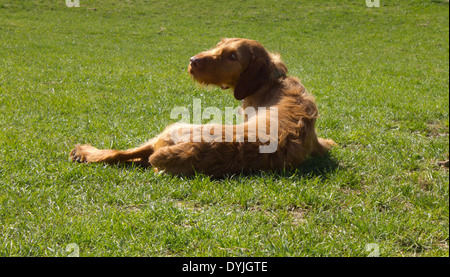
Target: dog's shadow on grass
{"x": 319, "y": 166}
{"x": 312, "y": 168}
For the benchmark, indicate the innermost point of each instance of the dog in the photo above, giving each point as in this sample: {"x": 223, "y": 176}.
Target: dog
{"x": 258, "y": 78}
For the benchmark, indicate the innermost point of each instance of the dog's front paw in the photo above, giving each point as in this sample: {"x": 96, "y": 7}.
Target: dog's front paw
{"x": 81, "y": 153}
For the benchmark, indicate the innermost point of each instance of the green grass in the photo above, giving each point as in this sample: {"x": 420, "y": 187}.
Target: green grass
{"x": 109, "y": 73}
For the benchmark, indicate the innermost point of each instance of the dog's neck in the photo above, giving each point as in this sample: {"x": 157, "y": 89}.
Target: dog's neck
{"x": 266, "y": 96}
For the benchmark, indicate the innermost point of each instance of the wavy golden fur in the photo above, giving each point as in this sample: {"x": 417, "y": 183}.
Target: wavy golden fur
{"x": 259, "y": 79}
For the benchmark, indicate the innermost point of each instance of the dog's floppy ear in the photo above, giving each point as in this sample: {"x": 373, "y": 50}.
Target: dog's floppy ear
{"x": 253, "y": 79}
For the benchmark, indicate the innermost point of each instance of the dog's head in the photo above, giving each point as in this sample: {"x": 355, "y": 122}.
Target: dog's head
{"x": 240, "y": 64}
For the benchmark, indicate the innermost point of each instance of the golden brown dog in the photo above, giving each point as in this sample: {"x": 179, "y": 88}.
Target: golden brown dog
{"x": 259, "y": 79}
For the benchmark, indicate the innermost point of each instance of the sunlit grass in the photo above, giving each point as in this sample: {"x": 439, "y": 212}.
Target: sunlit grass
{"x": 110, "y": 73}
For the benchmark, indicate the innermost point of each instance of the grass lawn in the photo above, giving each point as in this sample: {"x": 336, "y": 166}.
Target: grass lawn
{"x": 110, "y": 72}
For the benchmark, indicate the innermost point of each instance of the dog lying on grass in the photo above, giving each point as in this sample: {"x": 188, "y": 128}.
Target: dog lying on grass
{"x": 260, "y": 80}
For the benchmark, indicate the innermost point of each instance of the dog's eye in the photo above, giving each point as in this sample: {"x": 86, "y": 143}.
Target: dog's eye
{"x": 233, "y": 57}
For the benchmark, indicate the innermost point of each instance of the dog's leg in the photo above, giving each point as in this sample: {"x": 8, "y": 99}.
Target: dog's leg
{"x": 89, "y": 154}
{"x": 323, "y": 146}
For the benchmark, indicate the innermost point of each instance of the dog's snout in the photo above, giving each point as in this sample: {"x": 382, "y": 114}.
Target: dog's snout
{"x": 195, "y": 61}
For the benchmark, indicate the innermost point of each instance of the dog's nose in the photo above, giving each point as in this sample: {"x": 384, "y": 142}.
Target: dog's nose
{"x": 195, "y": 61}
